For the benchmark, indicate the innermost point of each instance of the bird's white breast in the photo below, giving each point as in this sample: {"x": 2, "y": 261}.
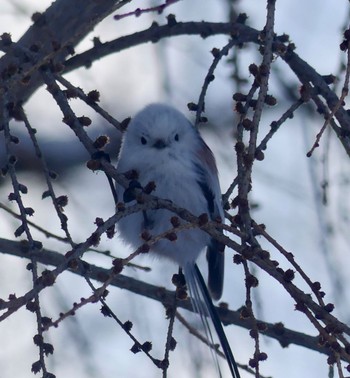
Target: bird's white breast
{"x": 176, "y": 180}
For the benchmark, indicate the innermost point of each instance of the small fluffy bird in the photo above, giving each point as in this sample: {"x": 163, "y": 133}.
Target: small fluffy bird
{"x": 163, "y": 147}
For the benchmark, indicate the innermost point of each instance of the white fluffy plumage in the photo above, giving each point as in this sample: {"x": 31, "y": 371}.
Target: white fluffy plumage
{"x": 162, "y": 146}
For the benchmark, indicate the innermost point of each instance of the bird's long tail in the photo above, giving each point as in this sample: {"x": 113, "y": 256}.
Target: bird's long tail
{"x": 203, "y": 305}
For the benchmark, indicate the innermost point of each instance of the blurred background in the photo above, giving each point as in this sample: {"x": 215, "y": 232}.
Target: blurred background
{"x": 302, "y": 201}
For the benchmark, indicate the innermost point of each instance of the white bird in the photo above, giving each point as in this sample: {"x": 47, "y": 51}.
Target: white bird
{"x": 163, "y": 147}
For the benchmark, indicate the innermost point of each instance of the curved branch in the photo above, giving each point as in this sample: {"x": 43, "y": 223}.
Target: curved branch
{"x": 59, "y": 30}
{"x": 153, "y": 34}
{"x": 242, "y": 34}
{"x": 276, "y": 331}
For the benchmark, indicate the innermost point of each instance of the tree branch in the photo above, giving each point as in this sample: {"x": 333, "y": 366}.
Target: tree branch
{"x": 276, "y": 331}
{"x": 155, "y": 32}
{"x": 243, "y": 34}
{"x": 52, "y": 36}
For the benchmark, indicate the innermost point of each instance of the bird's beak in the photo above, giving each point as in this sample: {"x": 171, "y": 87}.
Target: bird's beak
{"x": 160, "y": 144}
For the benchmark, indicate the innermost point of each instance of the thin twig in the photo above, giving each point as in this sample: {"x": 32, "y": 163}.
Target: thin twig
{"x": 169, "y": 344}
{"x": 138, "y": 12}
{"x": 209, "y": 77}
{"x": 33, "y": 245}
{"x": 80, "y": 93}
{"x": 344, "y": 93}
{"x": 47, "y": 233}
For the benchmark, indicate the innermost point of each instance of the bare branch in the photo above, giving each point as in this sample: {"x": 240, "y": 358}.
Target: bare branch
{"x": 276, "y": 331}
{"x": 52, "y": 37}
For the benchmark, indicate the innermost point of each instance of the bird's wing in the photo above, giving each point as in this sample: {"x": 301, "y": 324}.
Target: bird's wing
{"x": 209, "y": 184}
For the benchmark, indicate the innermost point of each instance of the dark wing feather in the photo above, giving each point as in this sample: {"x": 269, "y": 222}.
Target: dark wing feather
{"x": 216, "y": 267}
{"x": 215, "y": 250}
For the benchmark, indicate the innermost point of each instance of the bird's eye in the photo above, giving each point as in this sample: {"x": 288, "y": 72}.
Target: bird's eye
{"x": 143, "y": 140}
{"x": 176, "y": 137}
